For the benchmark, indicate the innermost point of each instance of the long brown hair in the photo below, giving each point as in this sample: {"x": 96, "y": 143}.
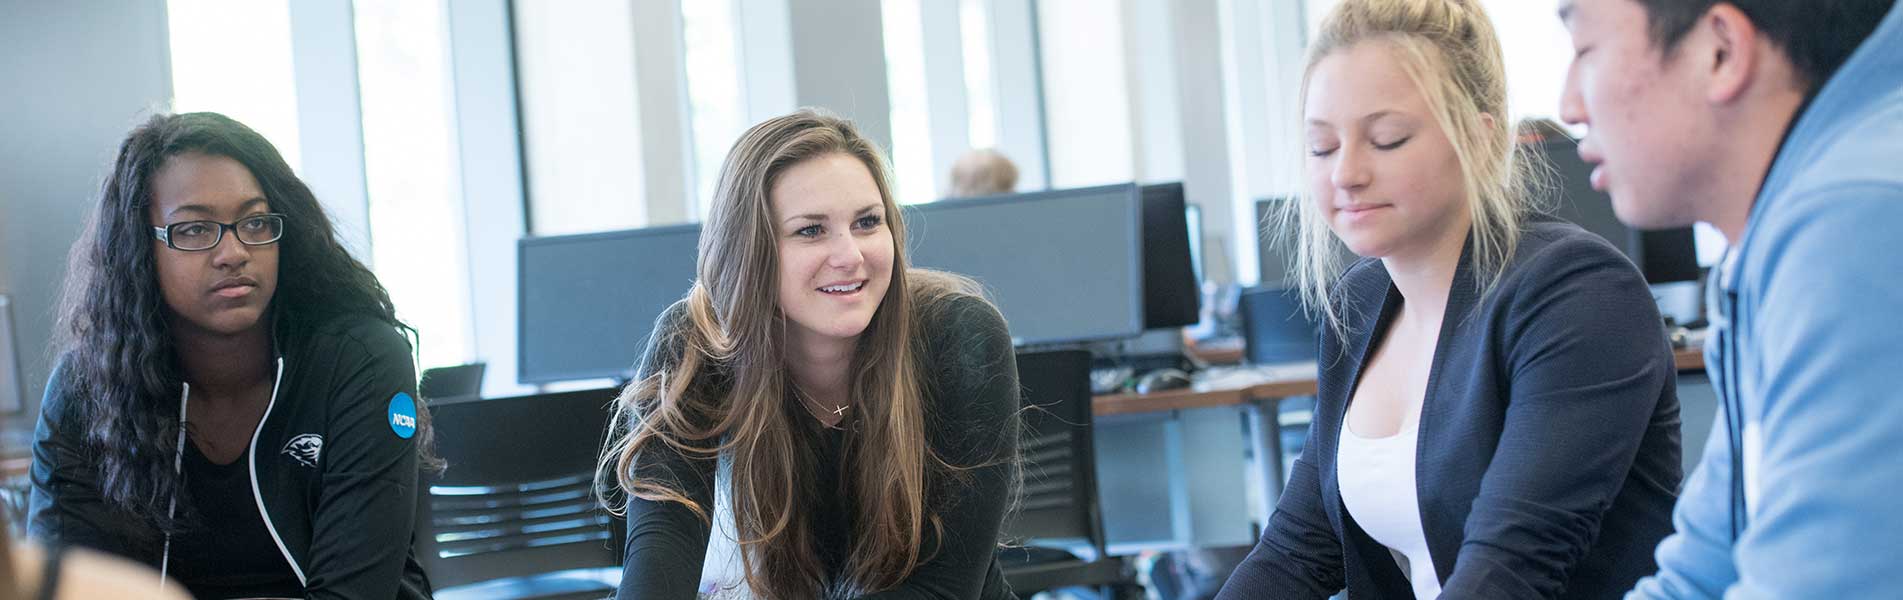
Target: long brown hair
{"x": 735, "y": 326}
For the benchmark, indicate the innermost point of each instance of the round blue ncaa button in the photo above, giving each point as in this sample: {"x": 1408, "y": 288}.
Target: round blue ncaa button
{"x": 403, "y": 415}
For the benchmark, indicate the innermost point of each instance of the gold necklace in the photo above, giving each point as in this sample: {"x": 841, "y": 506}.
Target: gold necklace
{"x": 837, "y": 410}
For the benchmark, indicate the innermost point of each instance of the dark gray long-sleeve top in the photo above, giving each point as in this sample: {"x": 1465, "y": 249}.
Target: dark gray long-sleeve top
{"x": 972, "y": 398}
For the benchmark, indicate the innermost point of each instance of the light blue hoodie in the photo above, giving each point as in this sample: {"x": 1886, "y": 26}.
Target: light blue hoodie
{"x": 1810, "y": 363}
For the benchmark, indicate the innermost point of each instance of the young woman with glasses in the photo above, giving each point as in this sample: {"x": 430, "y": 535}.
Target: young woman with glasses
{"x": 235, "y": 400}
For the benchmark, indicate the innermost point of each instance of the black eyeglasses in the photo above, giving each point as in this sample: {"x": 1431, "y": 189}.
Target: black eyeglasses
{"x": 196, "y": 236}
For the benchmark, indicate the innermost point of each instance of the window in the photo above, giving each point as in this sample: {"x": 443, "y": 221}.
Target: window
{"x": 981, "y": 100}
{"x": 713, "y": 90}
{"x": 1086, "y": 99}
{"x": 1533, "y": 42}
{"x": 911, "y": 124}
{"x": 580, "y": 121}
{"x": 1314, "y": 11}
{"x": 416, "y": 224}
{"x": 234, "y": 57}
{"x": 1537, "y": 55}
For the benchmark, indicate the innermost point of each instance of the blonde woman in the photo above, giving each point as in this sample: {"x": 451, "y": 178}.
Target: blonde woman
{"x": 865, "y": 411}
{"x": 1496, "y": 415}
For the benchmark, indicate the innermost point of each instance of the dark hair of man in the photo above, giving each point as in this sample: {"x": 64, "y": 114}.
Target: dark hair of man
{"x": 1817, "y": 35}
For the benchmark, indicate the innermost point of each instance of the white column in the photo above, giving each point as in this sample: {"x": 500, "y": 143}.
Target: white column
{"x": 580, "y": 115}
{"x": 1086, "y": 98}
{"x": 827, "y": 54}
{"x": 660, "y": 79}
{"x": 1156, "y": 137}
{"x": 330, "y": 118}
{"x": 946, "y": 101}
{"x": 1207, "y": 179}
{"x": 839, "y": 63}
{"x": 490, "y": 153}
{"x": 1267, "y": 40}
{"x": 765, "y": 40}
{"x": 1015, "y": 67}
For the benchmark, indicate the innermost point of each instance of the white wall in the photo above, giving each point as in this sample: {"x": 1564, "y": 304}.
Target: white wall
{"x": 839, "y": 62}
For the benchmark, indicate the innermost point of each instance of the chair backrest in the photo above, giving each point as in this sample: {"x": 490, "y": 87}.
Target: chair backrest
{"x": 459, "y": 383}
{"x": 1274, "y": 327}
{"x": 517, "y": 498}
{"x": 1059, "y": 499}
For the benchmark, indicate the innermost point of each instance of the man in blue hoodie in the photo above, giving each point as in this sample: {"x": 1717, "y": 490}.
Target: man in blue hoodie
{"x": 1780, "y": 122}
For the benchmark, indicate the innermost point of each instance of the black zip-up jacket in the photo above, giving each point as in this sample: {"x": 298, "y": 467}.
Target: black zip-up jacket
{"x": 334, "y": 461}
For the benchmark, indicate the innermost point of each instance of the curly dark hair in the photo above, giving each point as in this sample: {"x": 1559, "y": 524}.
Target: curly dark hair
{"x": 118, "y": 359}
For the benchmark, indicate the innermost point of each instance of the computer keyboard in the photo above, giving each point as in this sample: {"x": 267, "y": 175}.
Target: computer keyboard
{"x": 1222, "y": 377}
{"x": 1110, "y": 380}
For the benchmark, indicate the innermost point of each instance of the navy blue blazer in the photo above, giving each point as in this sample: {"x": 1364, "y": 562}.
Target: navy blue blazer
{"x": 1548, "y": 456}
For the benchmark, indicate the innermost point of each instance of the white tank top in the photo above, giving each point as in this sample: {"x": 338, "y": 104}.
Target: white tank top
{"x": 1377, "y": 487}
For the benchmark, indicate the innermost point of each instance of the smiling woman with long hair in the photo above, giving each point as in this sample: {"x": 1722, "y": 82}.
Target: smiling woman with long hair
{"x": 867, "y": 411}
{"x": 234, "y": 402}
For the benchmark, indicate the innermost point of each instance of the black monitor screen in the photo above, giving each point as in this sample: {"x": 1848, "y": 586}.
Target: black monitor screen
{"x": 1275, "y": 329}
{"x": 588, "y": 302}
{"x": 1276, "y": 250}
{"x": 1063, "y": 266}
{"x": 1275, "y": 256}
{"x": 1664, "y": 256}
{"x": 1170, "y": 292}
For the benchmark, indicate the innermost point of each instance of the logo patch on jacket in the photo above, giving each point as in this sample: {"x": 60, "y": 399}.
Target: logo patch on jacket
{"x": 304, "y": 449}
{"x": 402, "y": 415}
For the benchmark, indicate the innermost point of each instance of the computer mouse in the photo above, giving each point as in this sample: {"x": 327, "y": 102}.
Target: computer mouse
{"x": 1162, "y": 380}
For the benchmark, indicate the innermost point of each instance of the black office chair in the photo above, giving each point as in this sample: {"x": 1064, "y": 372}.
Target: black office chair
{"x": 514, "y": 516}
{"x": 460, "y": 383}
{"x": 1059, "y": 502}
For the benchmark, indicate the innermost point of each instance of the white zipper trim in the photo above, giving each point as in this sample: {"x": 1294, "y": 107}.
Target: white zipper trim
{"x": 259, "y": 496}
{"x": 178, "y": 468}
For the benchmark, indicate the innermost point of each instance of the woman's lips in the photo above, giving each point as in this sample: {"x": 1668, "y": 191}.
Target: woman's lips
{"x": 234, "y": 291}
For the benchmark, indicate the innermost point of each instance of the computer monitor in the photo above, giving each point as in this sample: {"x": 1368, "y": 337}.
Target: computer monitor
{"x": 1275, "y": 251}
{"x": 10, "y": 390}
{"x": 1171, "y": 293}
{"x": 588, "y": 302}
{"x": 1063, "y": 266}
{"x": 1275, "y": 329}
{"x": 1275, "y": 263}
{"x": 1194, "y": 215}
{"x": 1664, "y": 256}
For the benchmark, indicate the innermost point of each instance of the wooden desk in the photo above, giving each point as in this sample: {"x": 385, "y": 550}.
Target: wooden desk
{"x": 1258, "y": 399}
{"x": 1684, "y": 359}
{"x": 1689, "y": 359}
{"x": 1133, "y": 403}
